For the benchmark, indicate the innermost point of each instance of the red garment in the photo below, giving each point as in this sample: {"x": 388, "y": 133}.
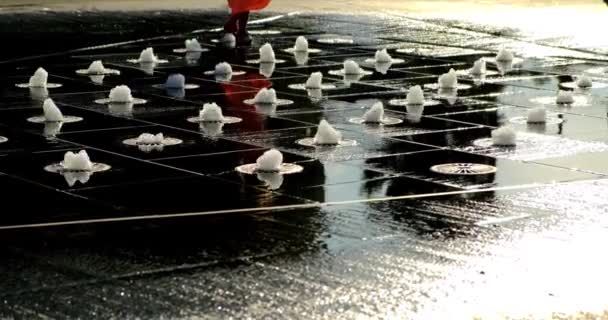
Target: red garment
{"x": 238, "y": 6}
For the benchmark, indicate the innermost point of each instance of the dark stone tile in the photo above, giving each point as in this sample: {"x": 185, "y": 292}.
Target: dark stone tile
{"x": 410, "y": 125}
{"x": 417, "y": 165}
{"x": 20, "y": 142}
{"x": 366, "y": 145}
{"x": 149, "y": 247}
{"x": 46, "y": 205}
{"x": 22, "y": 274}
{"x": 186, "y": 195}
{"x": 314, "y": 175}
{"x": 124, "y": 170}
{"x": 218, "y": 164}
{"x": 92, "y": 121}
{"x": 394, "y": 102}
{"x": 300, "y": 105}
{"x": 193, "y": 144}
{"x": 19, "y": 103}
{"x": 372, "y": 189}
{"x": 154, "y": 105}
{"x": 451, "y": 138}
{"x": 341, "y": 88}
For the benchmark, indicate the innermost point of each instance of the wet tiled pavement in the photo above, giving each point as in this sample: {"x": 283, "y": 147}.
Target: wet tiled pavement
{"x": 365, "y": 231}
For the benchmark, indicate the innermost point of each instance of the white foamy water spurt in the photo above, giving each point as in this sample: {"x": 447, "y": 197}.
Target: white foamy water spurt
{"x": 414, "y": 112}
{"x": 315, "y": 81}
{"x": 121, "y": 94}
{"x": 415, "y": 96}
{"x": 77, "y": 161}
{"x": 211, "y": 112}
{"x": 327, "y": 135}
{"x": 382, "y": 56}
{"x": 39, "y": 79}
{"x": 147, "y": 56}
{"x": 96, "y": 67}
{"x": 537, "y": 115}
{"x": 375, "y": 114}
{"x": 504, "y": 136}
{"x": 192, "y": 45}
{"x": 223, "y": 68}
{"x": 504, "y": 55}
{"x": 301, "y": 44}
{"x": 479, "y": 67}
{"x": 352, "y": 68}
{"x": 584, "y": 82}
{"x": 150, "y": 139}
{"x": 564, "y": 97}
{"x": 266, "y": 96}
{"x": 448, "y": 80}
{"x": 270, "y": 161}
{"x": 51, "y": 111}
{"x": 267, "y": 54}
{"x": 176, "y": 81}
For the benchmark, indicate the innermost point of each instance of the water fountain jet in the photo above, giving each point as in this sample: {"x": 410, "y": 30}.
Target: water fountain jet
{"x": 504, "y": 137}
{"x": 121, "y": 95}
{"x": 564, "y": 97}
{"x": 51, "y": 113}
{"x": 327, "y": 135}
{"x": 448, "y": 80}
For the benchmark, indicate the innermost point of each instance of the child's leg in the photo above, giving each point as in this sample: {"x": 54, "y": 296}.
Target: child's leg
{"x": 242, "y": 36}
{"x": 243, "y": 19}
{"x": 231, "y": 24}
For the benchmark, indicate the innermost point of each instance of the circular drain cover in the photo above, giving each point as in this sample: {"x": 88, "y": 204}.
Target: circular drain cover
{"x": 464, "y": 169}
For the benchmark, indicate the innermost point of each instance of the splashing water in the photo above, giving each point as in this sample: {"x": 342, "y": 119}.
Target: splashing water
{"x": 352, "y": 68}
{"x": 537, "y": 115}
{"x": 267, "y": 53}
{"x": 504, "y": 55}
{"x": 266, "y": 96}
{"x": 270, "y": 161}
{"x": 375, "y": 114}
{"x": 147, "y": 56}
{"x": 504, "y": 136}
{"x": 121, "y": 94}
{"x": 448, "y": 80}
{"x": 39, "y": 79}
{"x": 327, "y": 135}
{"x": 77, "y": 161}
{"x": 223, "y": 68}
{"x": 150, "y": 139}
{"x": 176, "y": 81}
{"x": 192, "y": 45}
{"x": 315, "y": 81}
{"x": 564, "y": 97}
{"x": 415, "y": 96}
{"x": 51, "y": 111}
{"x": 584, "y": 82}
{"x": 96, "y": 67}
{"x": 301, "y": 44}
{"x": 479, "y": 67}
{"x": 211, "y": 112}
{"x": 382, "y": 56}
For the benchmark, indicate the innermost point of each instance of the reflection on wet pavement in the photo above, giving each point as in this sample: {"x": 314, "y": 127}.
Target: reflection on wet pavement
{"x": 367, "y": 230}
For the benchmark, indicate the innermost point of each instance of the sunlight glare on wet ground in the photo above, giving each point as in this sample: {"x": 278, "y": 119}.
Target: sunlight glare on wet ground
{"x": 532, "y": 248}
